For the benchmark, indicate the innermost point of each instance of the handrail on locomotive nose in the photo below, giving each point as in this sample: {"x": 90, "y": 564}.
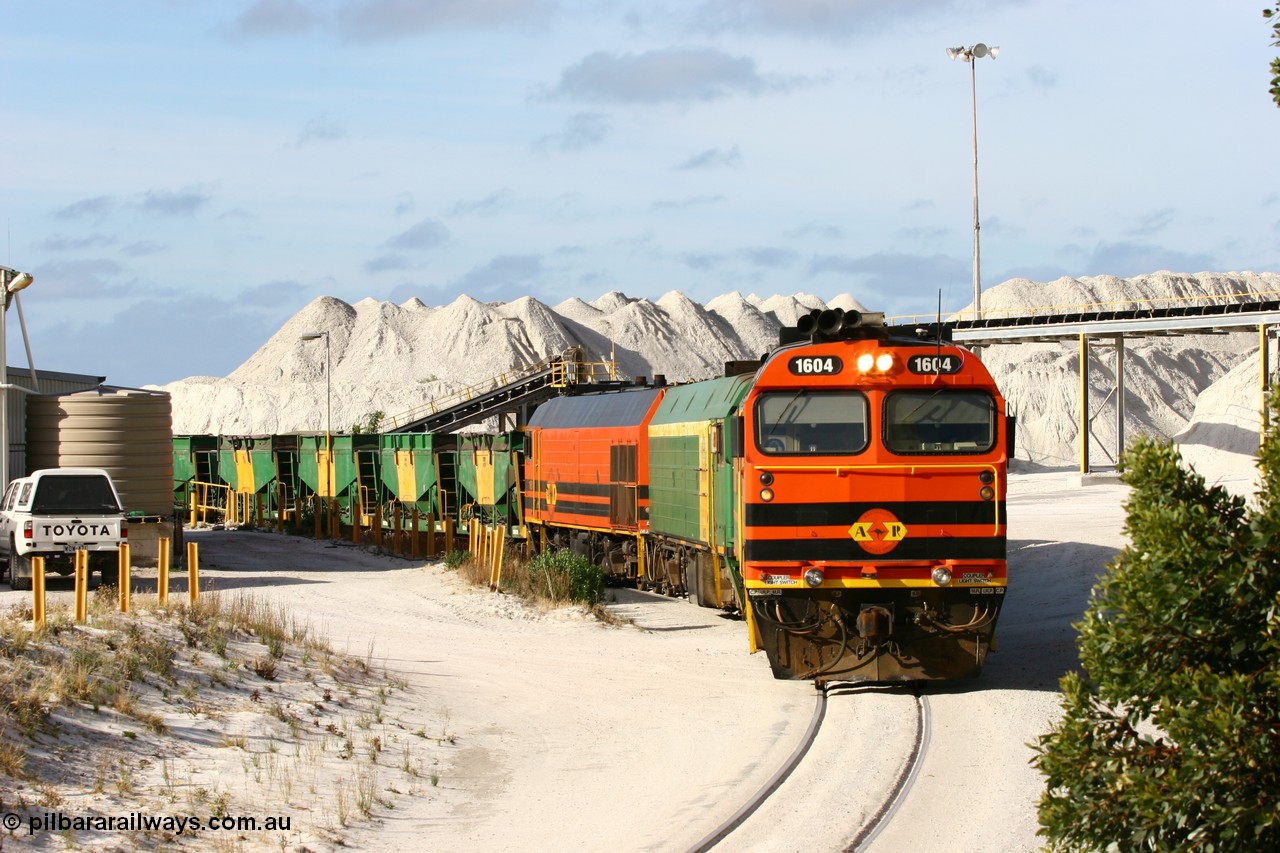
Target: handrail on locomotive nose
{"x": 911, "y": 468}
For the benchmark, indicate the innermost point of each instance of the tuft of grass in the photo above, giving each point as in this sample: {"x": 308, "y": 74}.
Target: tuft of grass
{"x": 13, "y": 759}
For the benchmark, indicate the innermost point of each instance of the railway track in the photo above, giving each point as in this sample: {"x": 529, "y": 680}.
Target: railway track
{"x": 906, "y": 778}
{"x": 761, "y": 796}
{"x": 880, "y": 815}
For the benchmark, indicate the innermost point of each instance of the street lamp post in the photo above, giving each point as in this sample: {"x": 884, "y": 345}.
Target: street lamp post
{"x": 328, "y": 405}
{"x": 328, "y": 395}
{"x": 971, "y": 55}
{"x": 11, "y": 281}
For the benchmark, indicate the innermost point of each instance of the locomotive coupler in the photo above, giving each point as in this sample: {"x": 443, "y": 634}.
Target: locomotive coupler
{"x": 875, "y": 623}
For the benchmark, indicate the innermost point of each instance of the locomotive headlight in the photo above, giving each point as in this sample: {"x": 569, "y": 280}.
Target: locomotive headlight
{"x": 942, "y": 576}
{"x": 766, "y": 478}
{"x": 986, "y": 493}
{"x": 814, "y": 577}
{"x": 986, "y": 478}
{"x": 884, "y": 361}
{"x": 766, "y": 495}
{"x": 865, "y": 362}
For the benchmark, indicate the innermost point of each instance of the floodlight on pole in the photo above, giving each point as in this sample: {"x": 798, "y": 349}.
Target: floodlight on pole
{"x": 11, "y": 281}
{"x": 970, "y": 55}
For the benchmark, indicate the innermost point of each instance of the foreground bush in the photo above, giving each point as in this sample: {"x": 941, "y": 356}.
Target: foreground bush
{"x": 560, "y": 575}
{"x": 1170, "y": 739}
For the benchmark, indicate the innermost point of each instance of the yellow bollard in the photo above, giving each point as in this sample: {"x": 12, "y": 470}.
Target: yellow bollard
{"x": 502, "y": 552}
{"x": 193, "y": 572}
{"x": 123, "y": 574}
{"x": 37, "y": 593}
{"x": 448, "y": 535}
{"x": 82, "y": 586}
{"x": 490, "y": 551}
{"x": 356, "y": 517}
{"x": 377, "y": 525}
{"x": 415, "y": 540}
{"x": 193, "y": 507}
{"x": 431, "y": 535}
{"x": 335, "y": 518}
{"x": 162, "y": 577}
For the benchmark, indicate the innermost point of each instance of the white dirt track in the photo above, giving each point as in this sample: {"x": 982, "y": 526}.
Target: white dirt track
{"x": 571, "y": 735}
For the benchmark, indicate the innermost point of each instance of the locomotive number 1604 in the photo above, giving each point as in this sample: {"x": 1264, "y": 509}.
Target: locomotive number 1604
{"x": 815, "y": 365}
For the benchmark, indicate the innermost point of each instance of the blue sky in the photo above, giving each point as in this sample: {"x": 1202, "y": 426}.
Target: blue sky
{"x": 182, "y": 176}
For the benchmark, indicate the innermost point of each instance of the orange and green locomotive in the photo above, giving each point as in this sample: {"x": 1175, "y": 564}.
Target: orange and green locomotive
{"x": 847, "y": 496}
{"x": 873, "y": 484}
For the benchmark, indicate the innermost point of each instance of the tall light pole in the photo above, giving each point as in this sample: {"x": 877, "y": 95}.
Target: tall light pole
{"x": 11, "y": 281}
{"x": 971, "y": 55}
{"x": 328, "y": 410}
{"x": 328, "y": 387}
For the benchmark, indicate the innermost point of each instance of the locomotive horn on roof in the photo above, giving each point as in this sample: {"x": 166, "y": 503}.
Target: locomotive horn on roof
{"x": 833, "y": 324}
{"x": 835, "y": 320}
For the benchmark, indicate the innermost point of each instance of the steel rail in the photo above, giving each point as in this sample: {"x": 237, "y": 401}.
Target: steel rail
{"x": 758, "y": 799}
{"x": 907, "y": 778}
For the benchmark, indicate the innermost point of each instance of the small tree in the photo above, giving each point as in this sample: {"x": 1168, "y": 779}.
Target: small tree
{"x": 1170, "y": 739}
{"x": 371, "y": 424}
{"x": 1273, "y": 14}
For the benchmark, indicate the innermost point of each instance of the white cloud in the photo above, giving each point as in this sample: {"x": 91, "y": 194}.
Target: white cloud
{"x": 377, "y": 20}
{"x": 674, "y": 74}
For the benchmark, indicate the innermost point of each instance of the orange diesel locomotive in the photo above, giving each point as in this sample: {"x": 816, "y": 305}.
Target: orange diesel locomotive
{"x": 873, "y": 504}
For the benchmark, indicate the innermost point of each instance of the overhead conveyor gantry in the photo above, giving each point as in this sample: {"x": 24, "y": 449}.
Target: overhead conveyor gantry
{"x": 512, "y": 394}
{"x": 1095, "y": 324}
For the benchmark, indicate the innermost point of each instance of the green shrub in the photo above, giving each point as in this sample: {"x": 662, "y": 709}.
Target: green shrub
{"x": 560, "y": 575}
{"x": 456, "y": 558}
{"x": 1169, "y": 738}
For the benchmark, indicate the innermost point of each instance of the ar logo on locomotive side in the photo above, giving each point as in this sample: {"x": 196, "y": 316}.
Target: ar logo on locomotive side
{"x": 878, "y": 531}
{"x": 815, "y": 365}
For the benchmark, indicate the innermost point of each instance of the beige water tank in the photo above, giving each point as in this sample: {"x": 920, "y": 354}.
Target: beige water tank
{"x": 127, "y": 431}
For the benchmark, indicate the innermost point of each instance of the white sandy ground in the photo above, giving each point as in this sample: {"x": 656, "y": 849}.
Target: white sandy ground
{"x": 551, "y": 731}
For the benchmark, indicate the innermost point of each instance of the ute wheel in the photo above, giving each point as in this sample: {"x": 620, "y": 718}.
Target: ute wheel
{"x": 108, "y": 569}
{"x": 19, "y": 572}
